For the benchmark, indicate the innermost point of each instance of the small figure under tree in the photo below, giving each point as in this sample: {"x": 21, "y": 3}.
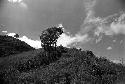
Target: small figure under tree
{"x": 49, "y": 37}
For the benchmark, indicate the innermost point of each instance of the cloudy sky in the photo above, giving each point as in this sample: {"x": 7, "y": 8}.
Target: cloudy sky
{"x": 98, "y": 25}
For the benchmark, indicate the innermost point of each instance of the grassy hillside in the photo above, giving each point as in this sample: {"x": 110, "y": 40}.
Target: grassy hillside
{"x": 10, "y": 45}
{"x": 64, "y": 66}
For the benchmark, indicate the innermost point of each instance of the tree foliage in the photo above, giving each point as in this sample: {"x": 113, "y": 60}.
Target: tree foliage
{"x": 49, "y": 37}
{"x": 16, "y": 35}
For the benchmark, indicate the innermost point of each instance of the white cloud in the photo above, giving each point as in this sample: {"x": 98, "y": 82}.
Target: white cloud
{"x": 89, "y": 8}
{"x": 24, "y": 5}
{"x": 107, "y": 25}
{"x": 118, "y": 28}
{"x": 4, "y": 31}
{"x": 33, "y": 43}
{"x": 116, "y": 61}
{"x": 66, "y": 40}
{"x": 20, "y": 2}
{"x": 110, "y": 25}
{"x": 11, "y": 34}
{"x": 15, "y": 1}
{"x": 109, "y": 48}
{"x": 114, "y": 24}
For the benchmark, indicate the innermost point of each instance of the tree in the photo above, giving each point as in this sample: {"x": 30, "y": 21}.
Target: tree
{"x": 16, "y": 35}
{"x": 49, "y": 37}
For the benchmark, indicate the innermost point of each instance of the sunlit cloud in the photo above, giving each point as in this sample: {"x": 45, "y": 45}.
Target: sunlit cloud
{"x": 115, "y": 27}
{"x": 109, "y": 48}
{"x": 66, "y": 40}
{"x": 15, "y": 1}
{"x": 11, "y": 34}
{"x": 20, "y": 2}
{"x": 89, "y": 8}
{"x": 110, "y": 25}
{"x": 4, "y": 32}
{"x": 33, "y": 43}
{"x": 118, "y": 28}
{"x": 24, "y": 5}
{"x": 115, "y": 61}
{"x": 113, "y": 24}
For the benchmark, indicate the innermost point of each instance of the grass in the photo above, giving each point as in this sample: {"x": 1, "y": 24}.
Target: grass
{"x": 11, "y": 46}
{"x": 65, "y": 66}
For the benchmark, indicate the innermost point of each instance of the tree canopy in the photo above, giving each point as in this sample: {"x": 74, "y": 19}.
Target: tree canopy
{"x": 49, "y": 37}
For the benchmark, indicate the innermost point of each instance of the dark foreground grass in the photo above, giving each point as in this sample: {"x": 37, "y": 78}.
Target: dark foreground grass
{"x": 64, "y": 66}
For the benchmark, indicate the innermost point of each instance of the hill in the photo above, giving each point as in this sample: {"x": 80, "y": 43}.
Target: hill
{"x": 64, "y": 66}
{"x": 10, "y": 45}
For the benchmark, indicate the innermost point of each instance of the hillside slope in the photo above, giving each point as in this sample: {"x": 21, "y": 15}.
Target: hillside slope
{"x": 65, "y": 66}
{"x": 10, "y": 45}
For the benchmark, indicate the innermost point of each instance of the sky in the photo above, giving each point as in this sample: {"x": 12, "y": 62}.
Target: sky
{"x": 97, "y": 25}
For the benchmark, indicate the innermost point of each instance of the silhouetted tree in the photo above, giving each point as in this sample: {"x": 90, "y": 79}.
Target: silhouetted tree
{"x": 16, "y": 35}
{"x": 49, "y": 37}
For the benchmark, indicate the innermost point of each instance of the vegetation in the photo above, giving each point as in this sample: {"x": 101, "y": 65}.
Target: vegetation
{"x": 16, "y": 35}
{"x": 60, "y": 66}
{"x": 67, "y": 67}
{"x": 10, "y": 46}
{"x": 49, "y": 37}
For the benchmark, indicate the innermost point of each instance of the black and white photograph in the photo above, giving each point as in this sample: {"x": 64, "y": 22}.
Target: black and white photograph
{"x": 62, "y": 41}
